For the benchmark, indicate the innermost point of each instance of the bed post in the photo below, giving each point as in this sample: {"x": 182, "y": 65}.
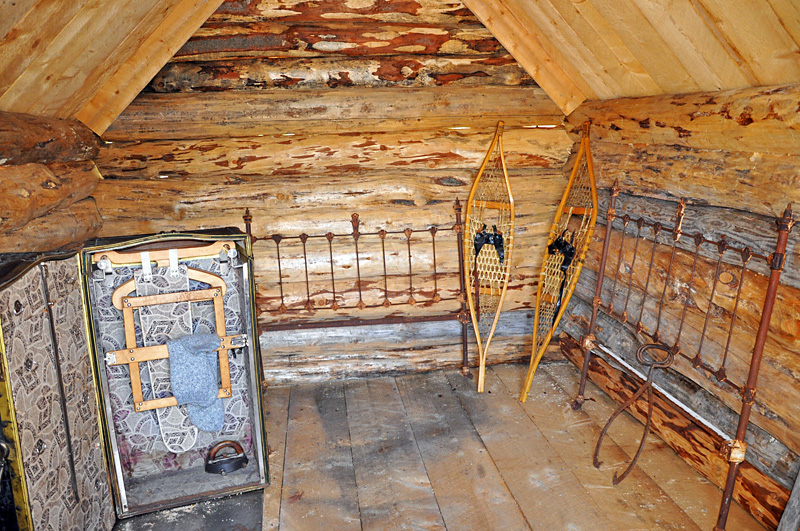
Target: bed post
{"x": 587, "y": 343}
{"x": 462, "y": 316}
{"x": 735, "y": 449}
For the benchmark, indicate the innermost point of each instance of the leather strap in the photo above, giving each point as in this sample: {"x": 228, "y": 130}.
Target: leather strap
{"x": 228, "y": 462}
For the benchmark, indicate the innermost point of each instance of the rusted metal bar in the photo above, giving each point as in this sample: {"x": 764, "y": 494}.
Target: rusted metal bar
{"x": 277, "y": 239}
{"x": 386, "y": 302}
{"x": 436, "y": 297}
{"x": 625, "y": 220}
{"x": 698, "y": 241}
{"x": 309, "y": 304}
{"x": 587, "y": 342}
{"x": 721, "y": 247}
{"x": 785, "y": 224}
{"x": 676, "y": 235}
{"x": 462, "y": 294}
{"x": 745, "y": 259}
{"x": 334, "y": 304}
{"x": 411, "y": 300}
{"x": 639, "y": 225}
{"x": 354, "y": 220}
{"x": 656, "y": 231}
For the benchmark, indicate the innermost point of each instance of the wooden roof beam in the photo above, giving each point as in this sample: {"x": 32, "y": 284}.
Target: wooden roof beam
{"x": 524, "y": 43}
{"x": 134, "y": 74}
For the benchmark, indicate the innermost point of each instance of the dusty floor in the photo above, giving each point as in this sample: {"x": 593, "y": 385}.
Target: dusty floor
{"x": 425, "y": 451}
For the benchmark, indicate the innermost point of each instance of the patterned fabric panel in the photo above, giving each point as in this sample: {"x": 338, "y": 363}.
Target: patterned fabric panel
{"x": 96, "y": 504}
{"x": 39, "y": 421}
{"x": 21, "y": 300}
{"x": 142, "y": 451}
{"x": 159, "y": 324}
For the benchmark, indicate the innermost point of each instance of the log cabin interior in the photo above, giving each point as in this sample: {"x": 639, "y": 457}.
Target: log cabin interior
{"x": 304, "y": 159}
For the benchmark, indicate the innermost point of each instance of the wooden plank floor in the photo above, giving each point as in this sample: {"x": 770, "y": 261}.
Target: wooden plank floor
{"x": 425, "y": 451}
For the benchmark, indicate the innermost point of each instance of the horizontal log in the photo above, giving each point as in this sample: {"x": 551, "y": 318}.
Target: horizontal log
{"x": 325, "y": 354}
{"x": 31, "y": 190}
{"x": 781, "y": 368}
{"x": 236, "y": 114}
{"x": 63, "y": 229}
{"x": 26, "y": 139}
{"x": 214, "y": 42}
{"x": 448, "y": 12}
{"x": 756, "y": 492}
{"x": 292, "y": 205}
{"x": 714, "y": 177}
{"x": 742, "y": 229}
{"x": 755, "y": 120}
{"x": 765, "y": 452}
{"x": 334, "y": 72}
{"x": 330, "y": 154}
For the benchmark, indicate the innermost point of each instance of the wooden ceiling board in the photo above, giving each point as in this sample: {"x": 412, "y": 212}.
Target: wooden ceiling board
{"x": 644, "y": 42}
{"x": 584, "y": 47}
{"x": 753, "y": 29}
{"x": 527, "y": 49}
{"x": 635, "y": 78}
{"x": 60, "y": 78}
{"x": 695, "y": 45}
{"x": 135, "y": 26}
{"x": 153, "y": 53}
{"x": 31, "y": 37}
{"x": 788, "y": 12}
{"x": 13, "y": 11}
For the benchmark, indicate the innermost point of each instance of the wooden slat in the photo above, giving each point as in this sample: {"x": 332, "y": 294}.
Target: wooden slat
{"x": 186, "y": 116}
{"x": 740, "y": 21}
{"x": 644, "y": 42}
{"x": 534, "y": 472}
{"x": 275, "y": 405}
{"x": 169, "y": 298}
{"x": 393, "y": 487}
{"x": 629, "y": 505}
{"x": 595, "y": 31}
{"x": 697, "y": 499}
{"x": 527, "y": 47}
{"x": 319, "y": 486}
{"x": 161, "y": 256}
{"x": 32, "y": 37}
{"x": 469, "y": 489}
{"x": 696, "y": 46}
{"x": 153, "y": 53}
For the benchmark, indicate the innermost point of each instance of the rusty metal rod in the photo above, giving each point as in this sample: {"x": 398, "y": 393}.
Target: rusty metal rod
{"x": 785, "y": 224}
{"x": 611, "y": 214}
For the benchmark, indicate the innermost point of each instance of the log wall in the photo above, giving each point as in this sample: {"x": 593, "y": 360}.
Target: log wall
{"x": 47, "y": 175}
{"x": 309, "y": 112}
{"x": 734, "y": 158}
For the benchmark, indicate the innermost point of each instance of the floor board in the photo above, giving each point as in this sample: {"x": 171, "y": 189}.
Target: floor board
{"x": 394, "y": 492}
{"x": 426, "y": 452}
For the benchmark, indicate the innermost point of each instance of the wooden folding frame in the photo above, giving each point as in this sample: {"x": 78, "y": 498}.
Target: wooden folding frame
{"x": 133, "y": 355}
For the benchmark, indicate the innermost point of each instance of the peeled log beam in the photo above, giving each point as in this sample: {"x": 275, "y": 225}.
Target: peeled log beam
{"x": 775, "y": 411}
{"x": 27, "y": 139}
{"x": 31, "y": 190}
{"x": 214, "y": 42}
{"x": 763, "y": 120}
{"x": 330, "y": 154}
{"x": 347, "y": 352}
{"x": 63, "y": 229}
{"x": 377, "y": 11}
{"x": 762, "y": 183}
{"x": 236, "y": 114}
{"x": 743, "y": 229}
{"x": 759, "y": 494}
{"x": 333, "y": 72}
